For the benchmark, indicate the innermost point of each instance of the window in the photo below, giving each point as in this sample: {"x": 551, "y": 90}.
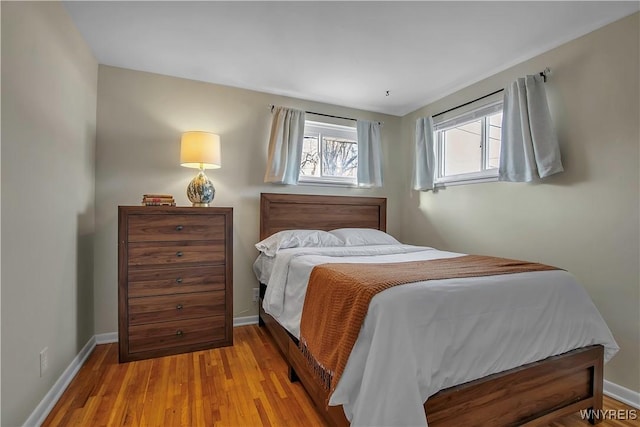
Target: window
{"x": 329, "y": 154}
{"x": 468, "y": 146}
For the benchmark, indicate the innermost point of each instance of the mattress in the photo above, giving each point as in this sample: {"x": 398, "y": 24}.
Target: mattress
{"x": 420, "y": 338}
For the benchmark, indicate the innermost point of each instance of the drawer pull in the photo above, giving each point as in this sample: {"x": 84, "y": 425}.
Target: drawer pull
{"x": 179, "y": 307}
{"x": 179, "y": 254}
{"x": 179, "y": 228}
{"x": 179, "y": 280}
{"x": 179, "y": 333}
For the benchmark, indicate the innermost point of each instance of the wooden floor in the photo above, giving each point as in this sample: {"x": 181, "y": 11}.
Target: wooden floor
{"x": 243, "y": 385}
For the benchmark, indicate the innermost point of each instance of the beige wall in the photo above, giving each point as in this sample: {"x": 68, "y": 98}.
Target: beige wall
{"x": 584, "y": 220}
{"x": 140, "y": 119}
{"x": 49, "y": 89}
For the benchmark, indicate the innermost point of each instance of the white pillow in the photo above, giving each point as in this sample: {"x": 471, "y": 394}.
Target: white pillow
{"x": 297, "y": 239}
{"x": 364, "y": 236}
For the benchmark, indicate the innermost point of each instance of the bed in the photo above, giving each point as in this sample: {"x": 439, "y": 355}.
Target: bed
{"x": 532, "y": 394}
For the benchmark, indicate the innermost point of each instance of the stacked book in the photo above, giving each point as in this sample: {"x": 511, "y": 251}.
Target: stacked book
{"x": 158, "y": 200}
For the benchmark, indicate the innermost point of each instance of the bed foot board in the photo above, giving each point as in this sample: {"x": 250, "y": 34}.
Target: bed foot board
{"x": 532, "y": 395}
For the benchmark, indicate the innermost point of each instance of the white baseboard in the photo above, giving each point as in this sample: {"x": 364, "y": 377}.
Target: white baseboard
{"x": 622, "y": 394}
{"x": 247, "y": 320}
{"x": 49, "y": 400}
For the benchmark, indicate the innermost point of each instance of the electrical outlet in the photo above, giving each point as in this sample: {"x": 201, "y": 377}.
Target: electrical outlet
{"x": 256, "y": 294}
{"x": 44, "y": 360}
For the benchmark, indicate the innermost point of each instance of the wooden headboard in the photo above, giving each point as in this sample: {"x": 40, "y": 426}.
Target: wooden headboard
{"x": 304, "y": 211}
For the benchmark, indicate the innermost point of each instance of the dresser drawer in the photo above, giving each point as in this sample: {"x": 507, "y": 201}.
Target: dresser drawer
{"x": 165, "y": 281}
{"x": 175, "y": 253}
{"x": 167, "y": 335}
{"x": 155, "y": 228}
{"x": 167, "y": 308}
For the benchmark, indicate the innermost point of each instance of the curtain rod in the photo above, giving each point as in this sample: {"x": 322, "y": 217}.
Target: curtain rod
{"x": 546, "y": 72}
{"x": 325, "y": 115}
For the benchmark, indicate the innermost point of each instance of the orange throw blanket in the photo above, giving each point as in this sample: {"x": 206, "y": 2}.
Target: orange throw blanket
{"x": 338, "y": 296}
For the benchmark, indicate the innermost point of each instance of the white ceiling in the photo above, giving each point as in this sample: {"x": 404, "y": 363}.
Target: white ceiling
{"x": 345, "y": 53}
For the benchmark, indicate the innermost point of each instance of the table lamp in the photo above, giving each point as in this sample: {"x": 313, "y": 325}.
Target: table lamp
{"x": 200, "y": 150}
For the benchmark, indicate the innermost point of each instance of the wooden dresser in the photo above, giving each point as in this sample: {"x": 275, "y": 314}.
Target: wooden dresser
{"x": 175, "y": 280}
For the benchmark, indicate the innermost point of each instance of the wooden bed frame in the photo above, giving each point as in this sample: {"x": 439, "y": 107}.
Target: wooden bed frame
{"x": 531, "y": 395}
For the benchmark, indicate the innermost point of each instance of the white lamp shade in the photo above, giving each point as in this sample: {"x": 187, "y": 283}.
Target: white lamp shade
{"x": 200, "y": 150}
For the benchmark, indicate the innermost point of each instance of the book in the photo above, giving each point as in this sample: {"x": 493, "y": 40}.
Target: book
{"x": 158, "y": 200}
{"x": 159, "y": 196}
{"x": 157, "y": 204}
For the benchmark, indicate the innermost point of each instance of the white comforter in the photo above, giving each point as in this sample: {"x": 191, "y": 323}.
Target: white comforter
{"x": 423, "y": 337}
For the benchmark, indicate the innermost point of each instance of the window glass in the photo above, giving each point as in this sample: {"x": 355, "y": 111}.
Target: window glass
{"x": 468, "y": 145}
{"x": 329, "y": 154}
{"x": 493, "y": 150}
{"x": 310, "y": 161}
{"x": 339, "y": 157}
{"x": 461, "y": 149}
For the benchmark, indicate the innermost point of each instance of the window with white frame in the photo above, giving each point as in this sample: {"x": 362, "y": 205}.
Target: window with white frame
{"x": 329, "y": 154}
{"x": 468, "y": 146}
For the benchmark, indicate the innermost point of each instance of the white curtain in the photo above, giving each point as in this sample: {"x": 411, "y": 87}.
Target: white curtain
{"x": 425, "y": 155}
{"x": 369, "y": 154}
{"x": 285, "y": 146}
{"x": 529, "y": 143}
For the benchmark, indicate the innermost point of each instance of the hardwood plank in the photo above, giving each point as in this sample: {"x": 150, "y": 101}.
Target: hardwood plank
{"x": 241, "y": 385}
